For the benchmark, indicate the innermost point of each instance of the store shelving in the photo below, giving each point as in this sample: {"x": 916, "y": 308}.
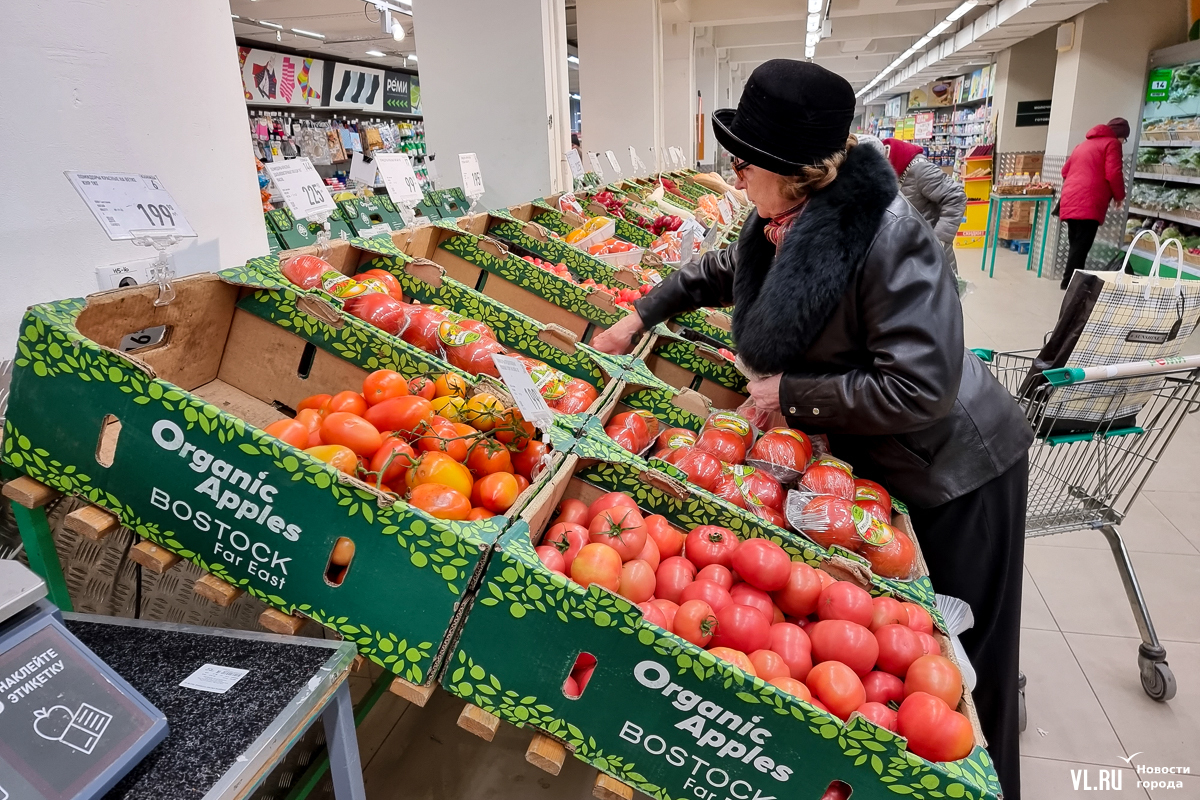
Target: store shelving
{"x": 1167, "y": 215}
{"x": 1160, "y": 176}
{"x": 1169, "y": 143}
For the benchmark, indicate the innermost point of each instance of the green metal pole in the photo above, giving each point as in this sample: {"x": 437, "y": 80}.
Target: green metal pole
{"x": 43, "y": 558}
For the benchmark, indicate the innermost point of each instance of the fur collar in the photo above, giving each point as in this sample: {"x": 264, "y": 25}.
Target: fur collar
{"x": 782, "y": 301}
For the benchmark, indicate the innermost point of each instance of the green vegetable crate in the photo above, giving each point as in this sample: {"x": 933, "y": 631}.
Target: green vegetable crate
{"x": 685, "y": 363}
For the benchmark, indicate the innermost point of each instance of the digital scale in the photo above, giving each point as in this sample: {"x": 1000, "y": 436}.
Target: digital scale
{"x": 70, "y": 727}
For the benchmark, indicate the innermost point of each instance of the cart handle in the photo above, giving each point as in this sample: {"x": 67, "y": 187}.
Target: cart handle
{"x": 1068, "y": 376}
{"x": 985, "y": 355}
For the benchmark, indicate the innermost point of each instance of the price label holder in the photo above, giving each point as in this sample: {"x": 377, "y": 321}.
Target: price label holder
{"x": 575, "y": 163}
{"x": 71, "y": 726}
{"x": 732, "y": 198}
{"x": 612, "y": 160}
{"x": 639, "y": 167}
{"x": 725, "y": 210}
{"x": 710, "y": 238}
{"x": 689, "y": 232}
{"x": 362, "y": 171}
{"x": 468, "y": 164}
{"x": 529, "y": 400}
{"x": 304, "y": 193}
{"x": 401, "y": 182}
{"x": 594, "y": 158}
{"x": 136, "y": 208}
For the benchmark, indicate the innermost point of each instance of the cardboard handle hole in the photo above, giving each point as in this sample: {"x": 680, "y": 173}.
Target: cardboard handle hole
{"x": 577, "y": 679}
{"x": 340, "y": 557}
{"x": 106, "y": 445}
{"x": 837, "y": 790}
{"x": 304, "y": 369}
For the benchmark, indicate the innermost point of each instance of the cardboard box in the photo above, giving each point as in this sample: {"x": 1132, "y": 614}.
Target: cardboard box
{"x": 685, "y": 363}
{"x": 168, "y": 438}
{"x": 302, "y": 234}
{"x": 658, "y": 713}
{"x": 1015, "y": 230}
{"x": 1027, "y": 162}
{"x": 1017, "y": 213}
{"x": 367, "y": 212}
{"x": 716, "y": 324}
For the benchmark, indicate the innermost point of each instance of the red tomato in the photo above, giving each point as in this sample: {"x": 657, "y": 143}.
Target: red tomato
{"x": 668, "y": 540}
{"x": 635, "y": 424}
{"x": 476, "y": 357}
{"x": 836, "y": 685}
{"x": 735, "y": 657}
{"x": 793, "y": 646}
{"x": 793, "y": 687}
{"x": 350, "y": 402}
{"x": 443, "y": 436}
{"x": 495, "y": 492}
{"x": 637, "y": 581}
{"x": 526, "y": 461}
{"x": 422, "y": 386}
{"x": 579, "y": 397}
{"x": 844, "y": 641}
{"x": 650, "y": 554}
{"x": 826, "y": 579}
{"x": 870, "y": 491}
{"x": 387, "y": 279}
{"x": 337, "y": 456}
{"x": 878, "y": 713}
{"x": 742, "y": 627}
{"x": 918, "y": 618}
{"x": 798, "y": 597}
{"x": 599, "y": 564}
{"x": 899, "y": 647}
{"x": 624, "y": 438}
{"x": 311, "y": 419}
{"x": 762, "y": 564}
{"x": 567, "y": 538}
{"x": 653, "y": 614}
{"x": 827, "y": 521}
{"x": 489, "y": 456}
{"x": 934, "y": 731}
{"x": 732, "y": 422}
{"x": 513, "y": 430}
{"x": 935, "y": 675}
{"x": 380, "y": 310}
{"x": 713, "y": 594}
{"x": 403, "y": 415}
{"x": 479, "y": 513}
{"x": 815, "y": 703}
{"x": 573, "y": 510}
{"x": 929, "y": 645}
{"x": 353, "y": 431}
{"x": 703, "y": 469}
{"x": 422, "y": 330}
{"x": 755, "y": 485}
{"x": 896, "y": 559}
{"x": 392, "y": 460}
{"x": 757, "y": 599}
{"x": 440, "y": 501}
{"x": 695, "y": 622}
{"x": 773, "y": 516}
{"x": 290, "y": 432}
{"x": 827, "y": 479}
{"x": 551, "y": 558}
{"x": 769, "y": 664}
{"x": 782, "y": 447}
{"x": 667, "y": 608}
{"x": 717, "y": 574}
{"x": 522, "y": 483}
{"x": 306, "y": 271}
{"x": 672, "y": 438}
{"x": 312, "y": 401}
{"x": 621, "y": 529}
{"x": 724, "y": 445}
{"x": 883, "y": 687}
{"x": 844, "y": 600}
{"x": 610, "y": 500}
{"x": 383, "y": 384}
{"x": 672, "y": 575}
{"x": 710, "y": 544}
{"x": 886, "y": 611}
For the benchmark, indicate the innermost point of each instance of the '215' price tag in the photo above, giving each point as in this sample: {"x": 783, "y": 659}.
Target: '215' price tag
{"x": 129, "y": 205}
{"x": 302, "y": 188}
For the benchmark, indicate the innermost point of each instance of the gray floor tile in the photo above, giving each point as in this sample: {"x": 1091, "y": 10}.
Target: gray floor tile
{"x": 1050, "y": 779}
{"x": 1034, "y": 611}
{"x": 1181, "y": 509}
{"x": 1146, "y": 530}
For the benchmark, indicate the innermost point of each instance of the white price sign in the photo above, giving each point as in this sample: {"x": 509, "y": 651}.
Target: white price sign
{"x": 575, "y": 162}
{"x": 529, "y": 400}
{"x": 399, "y": 178}
{"x": 733, "y": 200}
{"x": 128, "y": 205}
{"x": 612, "y": 159}
{"x": 302, "y": 188}
{"x": 595, "y": 159}
{"x": 638, "y": 165}
{"x": 468, "y": 164}
{"x": 725, "y": 210}
{"x": 362, "y": 171}
{"x": 214, "y": 678}
{"x": 682, "y": 158}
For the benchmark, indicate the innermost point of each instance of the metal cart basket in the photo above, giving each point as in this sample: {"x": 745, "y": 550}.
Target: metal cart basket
{"x": 1085, "y": 474}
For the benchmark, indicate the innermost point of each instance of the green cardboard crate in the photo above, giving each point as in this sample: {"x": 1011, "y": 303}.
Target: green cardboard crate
{"x": 294, "y": 234}
{"x": 684, "y": 363}
{"x": 659, "y": 713}
{"x": 367, "y": 212}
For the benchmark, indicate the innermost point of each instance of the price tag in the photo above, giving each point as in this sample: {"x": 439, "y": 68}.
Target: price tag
{"x": 638, "y": 164}
{"x": 733, "y": 200}
{"x": 468, "y": 164}
{"x": 575, "y": 163}
{"x": 302, "y": 188}
{"x": 529, "y": 400}
{"x": 363, "y": 171}
{"x": 214, "y": 678}
{"x": 725, "y": 210}
{"x": 595, "y": 159}
{"x": 687, "y": 245}
{"x": 375, "y": 230}
{"x": 612, "y": 159}
{"x": 402, "y": 184}
{"x": 128, "y": 206}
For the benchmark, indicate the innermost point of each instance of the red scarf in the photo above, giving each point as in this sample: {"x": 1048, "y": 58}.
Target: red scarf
{"x": 779, "y": 225}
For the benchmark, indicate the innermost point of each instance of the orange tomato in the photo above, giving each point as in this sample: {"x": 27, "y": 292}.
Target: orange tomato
{"x": 350, "y": 402}
{"x": 489, "y": 456}
{"x": 495, "y": 492}
{"x": 335, "y": 455}
{"x": 451, "y": 384}
{"x": 435, "y": 467}
{"x": 392, "y": 460}
{"x": 442, "y": 435}
{"x": 479, "y": 513}
{"x": 482, "y": 411}
{"x": 513, "y": 430}
{"x": 401, "y": 414}
{"x": 383, "y": 384}
{"x": 289, "y": 431}
{"x": 440, "y": 501}
{"x": 735, "y": 657}
{"x": 312, "y": 401}
{"x": 422, "y": 386}
{"x": 525, "y": 461}
{"x": 311, "y": 419}
{"x": 597, "y": 563}
{"x": 351, "y": 430}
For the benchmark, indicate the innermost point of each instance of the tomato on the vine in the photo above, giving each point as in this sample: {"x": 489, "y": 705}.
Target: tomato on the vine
{"x": 335, "y": 455}
{"x": 435, "y": 467}
{"x": 441, "y": 435}
{"x": 400, "y": 414}
{"x": 513, "y": 430}
{"x": 489, "y": 456}
{"x": 528, "y": 459}
{"x": 383, "y": 384}
{"x": 495, "y": 492}
{"x": 392, "y": 460}
{"x": 422, "y": 386}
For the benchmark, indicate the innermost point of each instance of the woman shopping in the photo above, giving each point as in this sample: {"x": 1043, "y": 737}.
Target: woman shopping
{"x": 843, "y": 302}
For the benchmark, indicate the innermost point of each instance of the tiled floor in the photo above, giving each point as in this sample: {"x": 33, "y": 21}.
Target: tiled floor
{"x": 1085, "y": 703}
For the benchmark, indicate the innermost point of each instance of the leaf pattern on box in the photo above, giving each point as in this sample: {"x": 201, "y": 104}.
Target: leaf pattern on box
{"x": 581, "y": 264}
{"x": 684, "y": 353}
{"x": 551, "y": 220}
{"x": 698, "y": 322}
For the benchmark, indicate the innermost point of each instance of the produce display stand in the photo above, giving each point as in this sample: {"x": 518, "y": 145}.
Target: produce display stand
{"x": 684, "y": 363}
{"x": 292, "y": 233}
{"x": 991, "y": 239}
{"x": 626, "y": 722}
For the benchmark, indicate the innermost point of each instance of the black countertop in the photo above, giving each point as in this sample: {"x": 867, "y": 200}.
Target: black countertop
{"x": 207, "y": 731}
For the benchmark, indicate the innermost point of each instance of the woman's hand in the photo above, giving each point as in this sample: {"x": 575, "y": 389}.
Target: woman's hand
{"x": 765, "y": 392}
{"x": 618, "y": 340}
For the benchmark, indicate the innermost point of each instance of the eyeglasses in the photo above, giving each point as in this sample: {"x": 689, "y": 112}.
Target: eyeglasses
{"x": 739, "y": 166}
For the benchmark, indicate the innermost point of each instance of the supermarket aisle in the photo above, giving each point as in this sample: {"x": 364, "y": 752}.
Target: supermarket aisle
{"x": 1086, "y": 707}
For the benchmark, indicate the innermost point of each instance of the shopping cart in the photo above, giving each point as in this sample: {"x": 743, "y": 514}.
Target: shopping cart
{"x": 1088, "y": 478}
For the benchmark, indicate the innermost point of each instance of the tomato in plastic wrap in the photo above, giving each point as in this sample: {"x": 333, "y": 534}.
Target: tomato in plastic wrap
{"x": 422, "y": 330}
{"x": 825, "y": 477}
{"x": 749, "y": 488}
{"x": 475, "y": 356}
{"x": 703, "y": 469}
{"x": 380, "y": 310}
{"x": 894, "y": 558}
{"x": 672, "y": 438}
{"x": 828, "y": 521}
{"x": 579, "y": 397}
{"x": 305, "y": 271}
{"x": 784, "y": 448}
{"x": 629, "y": 430}
{"x": 732, "y": 422}
{"x": 727, "y": 446}
{"x": 387, "y": 279}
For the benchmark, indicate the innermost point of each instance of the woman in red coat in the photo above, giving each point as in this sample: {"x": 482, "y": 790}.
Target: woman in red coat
{"x": 1092, "y": 177}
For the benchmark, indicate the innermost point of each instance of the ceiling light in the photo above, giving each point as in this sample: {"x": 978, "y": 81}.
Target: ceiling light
{"x": 940, "y": 28}
{"x": 811, "y": 38}
{"x": 309, "y": 34}
{"x": 398, "y": 32}
{"x": 574, "y": 97}
{"x": 376, "y": 53}
{"x": 815, "y": 6}
{"x": 272, "y": 25}
{"x": 573, "y": 59}
{"x": 924, "y": 40}
{"x": 809, "y": 51}
{"x": 961, "y": 11}
{"x": 814, "y": 22}
{"x": 235, "y": 16}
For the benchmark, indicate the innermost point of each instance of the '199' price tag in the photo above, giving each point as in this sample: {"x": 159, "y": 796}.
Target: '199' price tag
{"x": 128, "y": 205}
{"x": 302, "y": 188}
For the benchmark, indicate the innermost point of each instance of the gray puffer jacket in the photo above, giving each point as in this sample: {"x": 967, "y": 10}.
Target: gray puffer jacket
{"x": 936, "y": 196}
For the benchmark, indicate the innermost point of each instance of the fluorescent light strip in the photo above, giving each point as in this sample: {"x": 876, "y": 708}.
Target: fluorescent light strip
{"x": 376, "y": 53}
{"x": 275, "y": 26}
{"x": 309, "y": 34}
{"x": 816, "y": 6}
{"x": 961, "y": 11}
{"x": 937, "y": 30}
{"x": 413, "y": 57}
{"x": 814, "y": 23}
{"x": 573, "y": 59}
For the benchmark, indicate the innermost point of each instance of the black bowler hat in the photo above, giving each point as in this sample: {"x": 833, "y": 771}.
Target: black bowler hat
{"x": 792, "y": 114}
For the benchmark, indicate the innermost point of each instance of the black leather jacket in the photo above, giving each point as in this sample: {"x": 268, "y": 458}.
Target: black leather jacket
{"x": 859, "y": 313}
